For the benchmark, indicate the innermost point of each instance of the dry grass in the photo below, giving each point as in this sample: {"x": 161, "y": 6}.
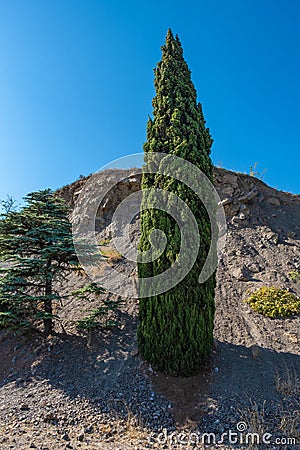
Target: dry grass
{"x": 255, "y": 351}
{"x": 131, "y": 429}
{"x": 254, "y": 417}
{"x": 112, "y": 256}
{"x": 288, "y": 383}
{"x": 289, "y": 424}
{"x": 134, "y": 427}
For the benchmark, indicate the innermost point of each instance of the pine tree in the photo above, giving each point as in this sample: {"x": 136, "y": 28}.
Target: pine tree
{"x": 175, "y": 332}
{"x": 37, "y": 248}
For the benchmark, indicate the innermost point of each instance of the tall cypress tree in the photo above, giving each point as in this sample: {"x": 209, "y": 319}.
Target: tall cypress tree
{"x": 175, "y": 332}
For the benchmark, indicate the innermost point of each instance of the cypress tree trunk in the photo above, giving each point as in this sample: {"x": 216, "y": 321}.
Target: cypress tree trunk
{"x": 175, "y": 332}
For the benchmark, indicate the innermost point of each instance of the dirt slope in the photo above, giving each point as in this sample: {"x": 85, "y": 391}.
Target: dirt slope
{"x": 63, "y": 394}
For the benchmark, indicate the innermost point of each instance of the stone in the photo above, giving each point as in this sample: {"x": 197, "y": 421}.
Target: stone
{"x": 271, "y": 237}
{"x": 49, "y": 416}
{"x": 80, "y": 437}
{"x": 254, "y": 268}
{"x": 229, "y": 178}
{"x": 225, "y": 201}
{"x": 241, "y": 274}
{"x": 228, "y": 190}
{"x": 235, "y": 208}
{"x": 249, "y": 196}
{"x": 65, "y": 437}
{"x": 77, "y": 193}
{"x": 134, "y": 180}
{"x": 291, "y": 234}
{"x": 273, "y": 201}
{"x": 235, "y": 219}
{"x": 24, "y": 407}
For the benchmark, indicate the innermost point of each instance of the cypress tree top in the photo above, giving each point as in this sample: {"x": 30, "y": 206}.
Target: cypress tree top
{"x": 178, "y": 126}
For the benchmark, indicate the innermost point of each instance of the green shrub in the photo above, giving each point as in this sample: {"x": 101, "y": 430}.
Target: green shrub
{"x": 295, "y": 276}
{"x": 102, "y": 317}
{"x": 274, "y": 302}
{"x": 105, "y": 241}
{"x": 88, "y": 291}
{"x": 98, "y": 318}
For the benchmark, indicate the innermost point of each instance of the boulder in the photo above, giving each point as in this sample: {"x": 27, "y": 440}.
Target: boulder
{"x": 273, "y": 201}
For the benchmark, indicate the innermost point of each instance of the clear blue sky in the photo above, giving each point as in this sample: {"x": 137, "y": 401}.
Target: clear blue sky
{"x": 76, "y": 84}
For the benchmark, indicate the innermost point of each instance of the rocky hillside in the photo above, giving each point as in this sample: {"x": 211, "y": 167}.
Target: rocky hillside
{"x": 246, "y": 199}
{"x": 262, "y": 245}
{"x": 65, "y": 394}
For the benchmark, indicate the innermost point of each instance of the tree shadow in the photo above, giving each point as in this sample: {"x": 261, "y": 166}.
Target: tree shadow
{"x": 234, "y": 377}
{"x": 111, "y": 376}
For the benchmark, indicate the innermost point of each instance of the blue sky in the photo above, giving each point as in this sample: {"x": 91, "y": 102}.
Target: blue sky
{"x": 76, "y": 84}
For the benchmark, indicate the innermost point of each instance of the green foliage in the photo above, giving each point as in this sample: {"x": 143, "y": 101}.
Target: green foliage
{"x": 101, "y": 317}
{"x": 12, "y": 321}
{"x": 273, "y": 302}
{"x": 98, "y": 318}
{"x": 295, "y": 276}
{"x": 105, "y": 241}
{"x": 87, "y": 291}
{"x": 175, "y": 332}
{"x": 8, "y": 205}
{"x": 37, "y": 249}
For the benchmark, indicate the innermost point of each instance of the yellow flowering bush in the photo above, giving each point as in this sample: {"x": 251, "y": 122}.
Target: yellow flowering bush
{"x": 274, "y": 302}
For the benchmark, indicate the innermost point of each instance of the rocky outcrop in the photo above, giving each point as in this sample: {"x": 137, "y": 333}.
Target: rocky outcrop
{"x": 246, "y": 200}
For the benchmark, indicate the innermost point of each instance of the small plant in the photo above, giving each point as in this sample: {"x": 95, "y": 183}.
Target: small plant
{"x": 255, "y": 351}
{"x": 288, "y": 383}
{"x": 273, "y": 302}
{"x": 105, "y": 241}
{"x": 112, "y": 255}
{"x": 254, "y": 173}
{"x": 254, "y": 417}
{"x": 131, "y": 427}
{"x": 96, "y": 319}
{"x": 87, "y": 291}
{"x": 289, "y": 423}
{"x": 101, "y": 317}
{"x": 134, "y": 428}
{"x": 295, "y": 276}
